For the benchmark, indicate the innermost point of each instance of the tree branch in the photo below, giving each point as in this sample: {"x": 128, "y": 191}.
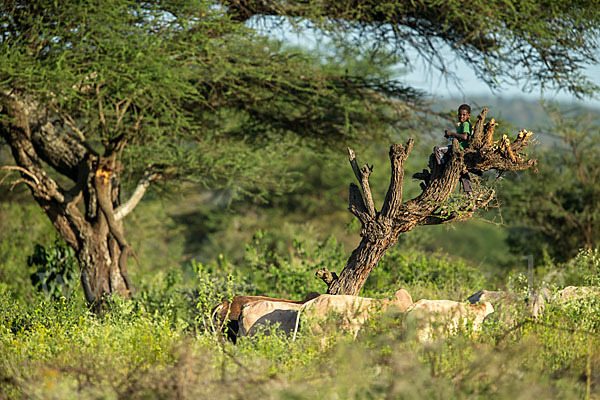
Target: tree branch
{"x": 326, "y": 276}
{"x": 443, "y": 181}
{"x": 123, "y": 210}
{"x": 477, "y": 140}
{"x": 363, "y": 178}
{"x": 444, "y": 214}
{"x": 357, "y": 206}
{"x": 488, "y": 135}
{"x": 21, "y": 169}
{"x": 393, "y": 198}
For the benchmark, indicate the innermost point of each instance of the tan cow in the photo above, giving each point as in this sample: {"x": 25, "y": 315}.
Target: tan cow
{"x": 575, "y": 293}
{"x": 434, "y": 318}
{"x": 227, "y": 313}
{"x": 353, "y": 311}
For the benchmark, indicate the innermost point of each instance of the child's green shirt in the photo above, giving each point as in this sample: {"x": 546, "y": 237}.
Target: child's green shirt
{"x": 464, "y": 127}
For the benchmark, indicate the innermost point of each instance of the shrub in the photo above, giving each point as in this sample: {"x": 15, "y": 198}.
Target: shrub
{"x": 439, "y": 273}
{"x": 290, "y": 274}
{"x": 57, "y": 271}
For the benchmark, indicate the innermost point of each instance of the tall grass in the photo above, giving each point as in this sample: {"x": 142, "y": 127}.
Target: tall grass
{"x": 160, "y": 346}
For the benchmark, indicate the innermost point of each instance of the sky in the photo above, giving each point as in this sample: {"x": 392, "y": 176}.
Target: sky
{"x": 435, "y": 84}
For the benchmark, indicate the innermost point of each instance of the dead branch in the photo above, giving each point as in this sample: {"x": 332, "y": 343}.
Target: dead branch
{"x": 357, "y": 206}
{"x": 23, "y": 170}
{"x": 463, "y": 212}
{"x": 478, "y": 129}
{"x": 363, "y": 178}
{"x": 123, "y": 210}
{"x": 393, "y": 198}
{"x": 326, "y": 276}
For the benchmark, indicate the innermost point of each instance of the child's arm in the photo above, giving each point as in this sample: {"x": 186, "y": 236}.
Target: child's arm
{"x": 461, "y": 136}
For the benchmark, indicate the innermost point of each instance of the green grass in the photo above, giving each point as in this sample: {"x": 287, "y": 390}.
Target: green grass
{"x": 160, "y": 345}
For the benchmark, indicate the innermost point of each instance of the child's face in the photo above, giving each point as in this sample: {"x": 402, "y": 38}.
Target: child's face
{"x": 463, "y": 115}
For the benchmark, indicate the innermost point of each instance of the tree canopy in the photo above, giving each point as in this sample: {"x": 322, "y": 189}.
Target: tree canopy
{"x": 176, "y": 80}
{"x": 543, "y": 43}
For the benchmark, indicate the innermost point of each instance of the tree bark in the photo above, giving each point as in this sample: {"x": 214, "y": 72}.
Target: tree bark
{"x": 96, "y": 234}
{"x": 381, "y": 230}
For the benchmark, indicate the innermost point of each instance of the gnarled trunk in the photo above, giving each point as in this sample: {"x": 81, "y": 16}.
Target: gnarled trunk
{"x": 96, "y": 234}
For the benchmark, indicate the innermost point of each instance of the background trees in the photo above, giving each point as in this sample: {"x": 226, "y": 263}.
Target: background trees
{"x": 557, "y": 210}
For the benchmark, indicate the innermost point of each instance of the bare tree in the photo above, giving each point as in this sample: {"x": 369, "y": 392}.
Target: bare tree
{"x": 381, "y": 229}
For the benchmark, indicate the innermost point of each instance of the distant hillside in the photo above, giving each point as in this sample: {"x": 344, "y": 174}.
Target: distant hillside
{"x": 522, "y": 113}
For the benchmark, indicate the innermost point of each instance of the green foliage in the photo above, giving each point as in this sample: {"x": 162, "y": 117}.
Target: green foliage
{"x": 60, "y": 349}
{"x": 556, "y": 211}
{"x": 582, "y": 270}
{"x": 413, "y": 269}
{"x": 289, "y": 273}
{"x": 58, "y": 271}
{"x": 22, "y": 224}
{"x": 197, "y": 95}
{"x": 532, "y": 41}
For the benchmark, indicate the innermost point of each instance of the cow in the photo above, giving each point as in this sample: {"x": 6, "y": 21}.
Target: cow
{"x": 432, "y": 318}
{"x": 507, "y": 305}
{"x": 226, "y": 314}
{"x": 353, "y": 310}
{"x": 575, "y": 293}
{"x": 263, "y": 313}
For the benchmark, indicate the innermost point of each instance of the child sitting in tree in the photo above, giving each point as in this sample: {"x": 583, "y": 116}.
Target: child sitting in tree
{"x": 464, "y": 133}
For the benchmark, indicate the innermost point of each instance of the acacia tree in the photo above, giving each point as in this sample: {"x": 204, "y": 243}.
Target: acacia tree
{"x": 96, "y": 95}
{"x": 538, "y": 43}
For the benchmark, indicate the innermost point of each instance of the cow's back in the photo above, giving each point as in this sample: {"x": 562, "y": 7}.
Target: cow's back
{"x": 262, "y": 313}
{"x": 436, "y": 317}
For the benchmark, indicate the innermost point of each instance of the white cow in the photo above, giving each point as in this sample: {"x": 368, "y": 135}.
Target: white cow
{"x": 353, "y": 311}
{"x": 434, "y": 318}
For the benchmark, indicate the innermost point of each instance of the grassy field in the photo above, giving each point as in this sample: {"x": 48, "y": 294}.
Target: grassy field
{"x": 162, "y": 345}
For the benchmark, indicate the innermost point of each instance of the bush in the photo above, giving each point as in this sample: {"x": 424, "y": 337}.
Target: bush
{"x": 58, "y": 270}
{"x": 289, "y": 274}
{"x": 582, "y": 270}
{"x": 17, "y": 243}
{"x": 438, "y": 273}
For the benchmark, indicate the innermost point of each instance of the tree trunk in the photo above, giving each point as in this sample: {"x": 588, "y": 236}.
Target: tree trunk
{"x": 96, "y": 234}
{"x": 358, "y": 268}
{"x": 381, "y": 229}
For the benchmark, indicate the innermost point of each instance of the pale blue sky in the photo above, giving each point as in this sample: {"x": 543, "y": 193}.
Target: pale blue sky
{"x": 436, "y": 85}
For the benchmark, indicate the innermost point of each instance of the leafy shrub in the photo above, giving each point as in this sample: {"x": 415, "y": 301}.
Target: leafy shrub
{"x": 412, "y": 268}
{"x": 290, "y": 274}
{"x": 58, "y": 270}
{"x": 17, "y": 243}
{"x": 582, "y": 270}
